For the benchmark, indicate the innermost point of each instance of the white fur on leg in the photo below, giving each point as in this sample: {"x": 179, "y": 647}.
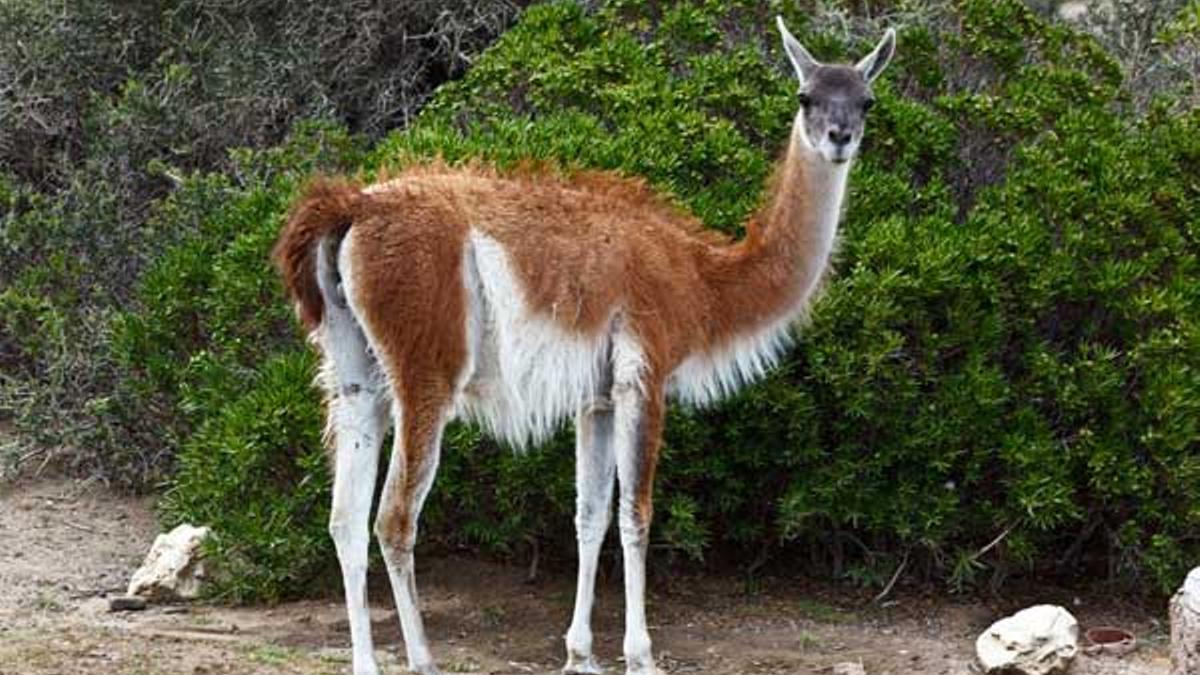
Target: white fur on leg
{"x": 639, "y": 659}
{"x": 595, "y": 471}
{"x": 629, "y": 403}
{"x": 357, "y": 458}
{"x": 402, "y": 574}
{"x": 399, "y": 558}
{"x": 356, "y": 422}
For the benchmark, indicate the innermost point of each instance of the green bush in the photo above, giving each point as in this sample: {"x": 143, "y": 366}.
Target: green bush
{"x": 209, "y": 313}
{"x": 263, "y": 503}
{"x": 1001, "y": 378}
{"x": 107, "y": 108}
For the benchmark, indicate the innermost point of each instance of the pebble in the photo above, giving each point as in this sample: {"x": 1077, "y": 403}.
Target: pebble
{"x": 126, "y": 603}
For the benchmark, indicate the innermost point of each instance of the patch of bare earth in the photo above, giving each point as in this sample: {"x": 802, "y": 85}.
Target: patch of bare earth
{"x": 65, "y": 546}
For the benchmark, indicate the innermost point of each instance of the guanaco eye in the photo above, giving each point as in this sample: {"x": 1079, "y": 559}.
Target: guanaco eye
{"x": 867, "y": 104}
{"x": 805, "y": 99}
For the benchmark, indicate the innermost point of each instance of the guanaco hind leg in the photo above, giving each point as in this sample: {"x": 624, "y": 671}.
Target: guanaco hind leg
{"x": 410, "y": 474}
{"x": 357, "y": 418}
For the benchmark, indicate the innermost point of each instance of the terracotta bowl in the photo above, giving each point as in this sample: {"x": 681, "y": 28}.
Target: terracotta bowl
{"x": 1109, "y": 640}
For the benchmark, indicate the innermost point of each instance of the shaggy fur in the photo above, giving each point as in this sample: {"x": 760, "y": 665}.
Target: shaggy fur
{"x": 518, "y": 299}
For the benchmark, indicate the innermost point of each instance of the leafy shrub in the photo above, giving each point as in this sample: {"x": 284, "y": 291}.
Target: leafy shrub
{"x": 1000, "y": 379}
{"x": 267, "y": 542}
{"x": 209, "y": 313}
{"x": 1156, "y": 42}
{"x": 183, "y": 81}
{"x": 107, "y": 108}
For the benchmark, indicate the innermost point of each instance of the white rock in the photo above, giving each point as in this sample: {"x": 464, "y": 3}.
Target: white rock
{"x": 174, "y": 567}
{"x": 1073, "y": 10}
{"x": 1035, "y": 641}
{"x": 1185, "y": 626}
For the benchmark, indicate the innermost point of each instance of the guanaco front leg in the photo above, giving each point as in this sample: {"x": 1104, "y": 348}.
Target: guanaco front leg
{"x": 638, "y": 421}
{"x": 595, "y": 473}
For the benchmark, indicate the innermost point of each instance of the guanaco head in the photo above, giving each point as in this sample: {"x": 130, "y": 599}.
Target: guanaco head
{"x": 834, "y": 99}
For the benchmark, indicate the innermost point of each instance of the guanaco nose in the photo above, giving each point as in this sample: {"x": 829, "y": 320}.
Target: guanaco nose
{"x": 839, "y": 137}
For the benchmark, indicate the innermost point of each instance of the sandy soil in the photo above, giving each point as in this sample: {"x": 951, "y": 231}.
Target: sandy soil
{"x": 65, "y": 546}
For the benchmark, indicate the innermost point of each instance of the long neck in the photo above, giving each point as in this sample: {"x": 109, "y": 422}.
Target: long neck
{"x": 772, "y": 273}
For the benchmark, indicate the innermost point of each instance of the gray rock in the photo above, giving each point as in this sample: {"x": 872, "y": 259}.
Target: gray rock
{"x": 126, "y": 603}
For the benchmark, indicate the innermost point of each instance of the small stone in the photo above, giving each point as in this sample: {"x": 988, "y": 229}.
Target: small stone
{"x": 1073, "y": 11}
{"x": 174, "y": 567}
{"x": 849, "y": 668}
{"x": 126, "y": 603}
{"x": 1036, "y": 641}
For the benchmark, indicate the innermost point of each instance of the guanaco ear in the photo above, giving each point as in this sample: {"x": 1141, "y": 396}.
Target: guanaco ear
{"x": 801, "y": 60}
{"x": 873, "y": 64}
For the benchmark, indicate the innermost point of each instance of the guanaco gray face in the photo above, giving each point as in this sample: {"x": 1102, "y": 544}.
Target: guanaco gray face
{"x": 834, "y": 99}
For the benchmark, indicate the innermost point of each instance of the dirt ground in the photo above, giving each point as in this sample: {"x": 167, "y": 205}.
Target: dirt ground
{"x": 65, "y": 546}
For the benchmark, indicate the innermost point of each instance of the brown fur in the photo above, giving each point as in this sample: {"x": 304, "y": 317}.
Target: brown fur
{"x": 585, "y": 246}
{"x": 326, "y": 206}
{"x": 649, "y": 442}
{"x": 408, "y": 288}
